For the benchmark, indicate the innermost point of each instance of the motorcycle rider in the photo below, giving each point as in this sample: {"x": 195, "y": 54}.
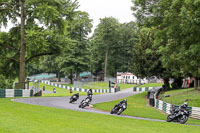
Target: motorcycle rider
{"x": 120, "y": 107}
{"x": 89, "y": 94}
{"x": 76, "y": 95}
{"x": 180, "y": 109}
{"x": 88, "y": 99}
{"x": 123, "y": 101}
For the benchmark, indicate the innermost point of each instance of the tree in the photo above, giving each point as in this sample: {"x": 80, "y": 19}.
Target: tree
{"x": 105, "y": 39}
{"x": 113, "y": 43}
{"x": 124, "y": 52}
{"x": 183, "y": 37}
{"x": 50, "y": 64}
{"x": 176, "y": 34}
{"x": 146, "y": 60}
{"x": 51, "y": 14}
{"x": 75, "y": 57}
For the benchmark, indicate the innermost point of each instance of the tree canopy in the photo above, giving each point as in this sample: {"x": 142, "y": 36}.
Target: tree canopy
{"x": 112, "y": 46}
{"x": 175, "y": 24}
{"x": 40, "y": 28}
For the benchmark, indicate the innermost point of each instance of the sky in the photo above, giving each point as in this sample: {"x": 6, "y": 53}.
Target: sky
{"x": 119, "y": 9}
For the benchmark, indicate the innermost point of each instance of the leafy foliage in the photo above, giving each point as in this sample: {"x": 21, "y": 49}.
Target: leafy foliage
{"x": 112, "y": 46}
{"x": 45, "y": 29}
{"x": 5, "y": 83}
{"x": 176, "y": 34}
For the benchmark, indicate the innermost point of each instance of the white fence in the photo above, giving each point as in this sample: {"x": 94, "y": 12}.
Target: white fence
{"x": 131, "y": 81}
{"x": 81, "y": 89}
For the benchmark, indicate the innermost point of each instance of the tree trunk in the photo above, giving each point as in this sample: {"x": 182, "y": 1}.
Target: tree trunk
{"x": 22, "y": 70}
{"x": 166, "y": 84}
{"x": 195, "y": 83}
{"x": 77, "y": 75}
{"x": 71, "y": 77}
{"x": 106, "y": 61}
{"x": 177, "y": 84}
{"x": 59, "y": 78}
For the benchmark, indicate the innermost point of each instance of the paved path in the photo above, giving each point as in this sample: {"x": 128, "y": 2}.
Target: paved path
{"x": 63, "y": 102}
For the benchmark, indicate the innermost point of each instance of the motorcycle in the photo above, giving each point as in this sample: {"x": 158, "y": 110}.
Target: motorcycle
{"x": 118, "y": 108}
{"x": 85, "y": 102}
{"x": 74, "y": 98}
{"x": 178, "y": 115}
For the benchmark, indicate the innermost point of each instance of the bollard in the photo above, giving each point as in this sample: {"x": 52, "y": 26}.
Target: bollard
{"x": 54, "y": 90}
{"x": 43, "y": 88}
{"x": 70, "y": 91}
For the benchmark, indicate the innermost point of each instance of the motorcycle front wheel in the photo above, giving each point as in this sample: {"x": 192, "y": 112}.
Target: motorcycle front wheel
{"x": 183, "y": 119}
{"x": 169, "y": 119}
{"x": 112, "y": 111}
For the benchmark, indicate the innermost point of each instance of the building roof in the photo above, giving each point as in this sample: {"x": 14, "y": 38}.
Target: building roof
{"x": 124, "y": 74}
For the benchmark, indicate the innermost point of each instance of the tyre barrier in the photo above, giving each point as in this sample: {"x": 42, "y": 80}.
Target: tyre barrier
{"x": 166, "y": 107}
{"x": 142, "y": 89}
{"x": 15, "y": 93}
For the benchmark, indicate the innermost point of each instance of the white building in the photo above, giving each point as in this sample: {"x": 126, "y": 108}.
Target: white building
{"x": 130, "y": 78}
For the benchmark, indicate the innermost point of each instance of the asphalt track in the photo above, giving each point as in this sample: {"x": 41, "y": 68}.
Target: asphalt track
{"x": 63, "y": 102}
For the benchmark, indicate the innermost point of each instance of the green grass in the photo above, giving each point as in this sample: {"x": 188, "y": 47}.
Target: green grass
{"x": 59, "y": 91}
{"x": 96, "y": 85}
{"x": 138, "y": 106}
{"x": 70, "y": 85}
{"x": 125, "y": 86}
{"x": 179, "y": 96}
{"x": 23, "y": 118}
{"x": 151, "y": 85}
{"x": 103, "y": 85}
{"x": 93, "y": 85}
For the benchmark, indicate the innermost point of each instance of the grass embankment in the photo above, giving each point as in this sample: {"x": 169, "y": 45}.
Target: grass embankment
{"x": 59, "y": 91}
{"x": 151, "y": 85}
{"x": 103, "y": 85}
{"x": 137, "y": 106}
{"x": 24, "y": 118}
{"x": 125, "y": 86}
{"x": 179, "y": 96}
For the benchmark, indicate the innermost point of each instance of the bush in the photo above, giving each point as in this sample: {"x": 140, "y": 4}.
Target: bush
{"x": 5, "y": 83}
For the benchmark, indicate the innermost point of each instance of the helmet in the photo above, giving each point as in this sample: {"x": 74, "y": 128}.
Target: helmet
{"x": 185, "y": 105}
{"x": 125, "y": 100}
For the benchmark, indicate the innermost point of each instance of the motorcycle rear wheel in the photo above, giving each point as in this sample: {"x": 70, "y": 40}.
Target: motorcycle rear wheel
{"x": 120, "y": 111}
{"x": 84, "y": 105}
{"x": 70, "y": 101}
{"x": 183, "y": 119}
